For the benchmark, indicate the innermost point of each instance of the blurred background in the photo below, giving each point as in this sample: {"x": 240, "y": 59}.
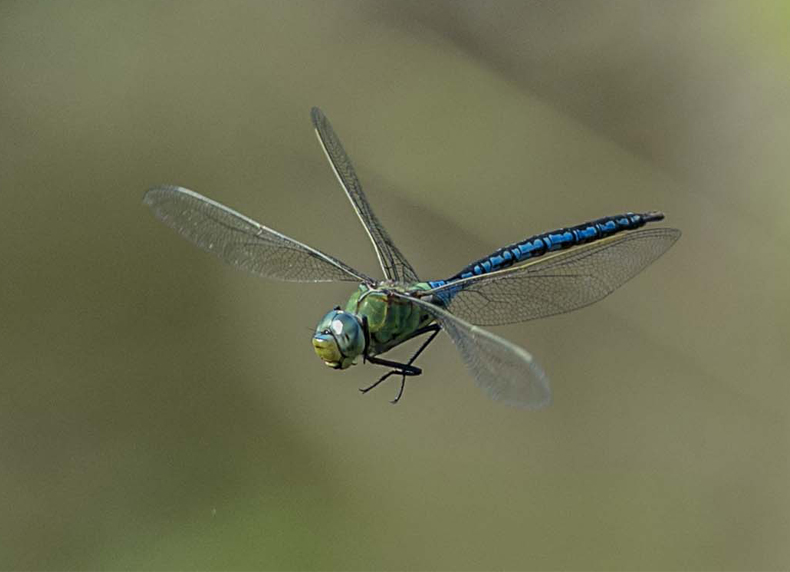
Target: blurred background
{"x": 161, "y": 410}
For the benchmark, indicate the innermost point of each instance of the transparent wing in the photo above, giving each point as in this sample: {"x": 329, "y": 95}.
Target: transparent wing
{"x": 243, "y": 242}
{"x": 558, "y": 283}
{"x": 501, "y": 369}
{"x": 393, "y": 263}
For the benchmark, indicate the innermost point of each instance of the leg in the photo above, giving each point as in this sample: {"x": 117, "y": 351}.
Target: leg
{"x": 404, "y": 369}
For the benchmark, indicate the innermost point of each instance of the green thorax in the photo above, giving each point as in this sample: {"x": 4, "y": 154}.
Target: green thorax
{"x": 391, "y": 320}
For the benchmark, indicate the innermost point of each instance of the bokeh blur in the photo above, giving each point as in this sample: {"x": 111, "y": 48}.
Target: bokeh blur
{"x": 161, "y": 410}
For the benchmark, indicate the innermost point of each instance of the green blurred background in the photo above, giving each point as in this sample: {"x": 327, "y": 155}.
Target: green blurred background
{"x": 161, "y": 410}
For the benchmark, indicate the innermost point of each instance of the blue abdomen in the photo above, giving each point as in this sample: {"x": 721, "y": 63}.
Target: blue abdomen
{"x": 560, "y": 239}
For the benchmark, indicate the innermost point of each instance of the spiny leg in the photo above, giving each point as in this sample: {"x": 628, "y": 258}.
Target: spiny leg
{"x": 436, "y": 329}
{"x": 404, "y": 369}
{"x": 377, "y": 383}
{"x": 402, "y": 373}
{"x": 401, "y": 368}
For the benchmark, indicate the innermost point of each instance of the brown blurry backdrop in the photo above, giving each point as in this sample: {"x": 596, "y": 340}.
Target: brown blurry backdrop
{"x": 160, "y": 410}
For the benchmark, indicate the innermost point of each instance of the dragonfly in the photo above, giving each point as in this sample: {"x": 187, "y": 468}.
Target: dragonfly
{"x": 543, "y": 275}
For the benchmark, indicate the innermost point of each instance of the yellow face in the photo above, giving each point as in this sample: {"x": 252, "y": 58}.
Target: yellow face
{"x": 326, "y": 348}
{"x": 339, "y": 339}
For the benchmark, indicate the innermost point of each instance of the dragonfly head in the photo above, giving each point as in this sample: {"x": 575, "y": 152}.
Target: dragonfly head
{"x": 339, "y": 339}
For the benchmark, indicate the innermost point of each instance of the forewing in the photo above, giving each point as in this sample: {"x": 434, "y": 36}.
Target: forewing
{"x": 243, "y": 242}
{"x": 500, "y": 368}
{"x": 558, "y": 283}
{"x": 393, "y": 263}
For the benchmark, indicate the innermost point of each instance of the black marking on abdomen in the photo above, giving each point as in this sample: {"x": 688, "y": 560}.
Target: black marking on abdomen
{"x": 560, "y": 239}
